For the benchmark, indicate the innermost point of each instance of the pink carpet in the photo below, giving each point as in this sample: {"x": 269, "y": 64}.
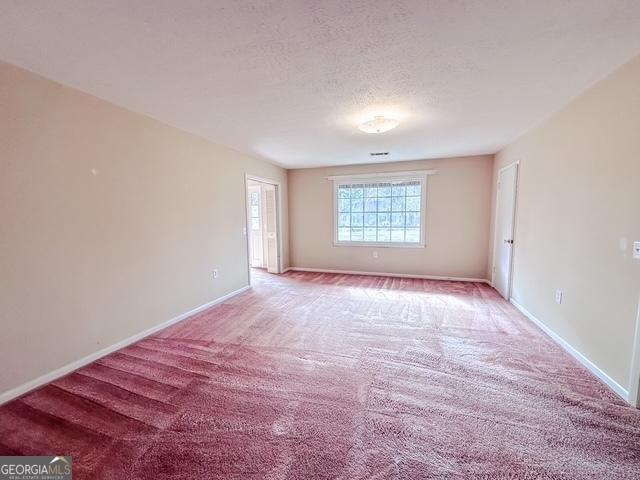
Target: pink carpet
{"x": 333, "y": 376}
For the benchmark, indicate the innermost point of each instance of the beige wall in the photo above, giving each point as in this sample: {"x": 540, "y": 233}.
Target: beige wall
{"x": 88, "y": 260}
{"x": 578, "y": 214}
{"x": 458, "y": 213}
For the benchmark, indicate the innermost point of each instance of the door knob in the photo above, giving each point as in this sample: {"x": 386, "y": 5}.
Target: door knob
{"x": 508, "y": 241}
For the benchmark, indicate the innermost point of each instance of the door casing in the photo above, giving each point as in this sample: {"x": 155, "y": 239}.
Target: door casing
{"x": 278, "y": 195}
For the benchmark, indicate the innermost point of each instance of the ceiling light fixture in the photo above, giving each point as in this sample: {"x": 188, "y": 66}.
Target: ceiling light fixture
{"x": 379, "y": 124}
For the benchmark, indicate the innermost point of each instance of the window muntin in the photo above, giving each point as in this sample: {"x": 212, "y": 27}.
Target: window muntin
{"x": 386, "y": 212}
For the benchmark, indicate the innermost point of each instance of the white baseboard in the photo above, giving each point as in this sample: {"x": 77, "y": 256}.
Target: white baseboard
{"x": 385, "y": 274}
{"x": 65, "y": 370}
{"x": 610, "y": 382}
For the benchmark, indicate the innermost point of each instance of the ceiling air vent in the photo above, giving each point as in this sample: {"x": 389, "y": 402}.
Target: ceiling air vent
{"x": 378, "y": 154}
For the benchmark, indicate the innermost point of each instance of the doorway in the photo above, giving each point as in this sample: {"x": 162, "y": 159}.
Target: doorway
{"x": 264, "y": 237}
{"x": 503, "y": 242}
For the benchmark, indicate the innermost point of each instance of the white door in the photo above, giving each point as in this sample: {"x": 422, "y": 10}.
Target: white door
{"x": 505, "y": 219}
{"x": 271, "y": 228}
{"x": 255, "y": 226}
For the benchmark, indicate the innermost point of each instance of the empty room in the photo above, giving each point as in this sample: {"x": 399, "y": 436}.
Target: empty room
{"x": 319, "y": 239}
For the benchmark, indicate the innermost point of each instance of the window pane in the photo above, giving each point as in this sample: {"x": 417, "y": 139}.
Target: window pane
{"x": 255, "y": 198}
{"x": 379, "y": 212}
{"x": 384, "y": 234}
{"x": 356, "y": 234}
{"x": 369, "y": 234}
{"x": 255, "y": 224}
{"x": 384, "y": 219}
{"x": 397, "y": 234}
{"x": 384, "y": 204}
{"x": 413, "y": 204}
{"x": 413, "y": 219}
{"x": 413, "y": 190}
{"x": 384, "y": 190}
{"x": 370, "y": 219}
{"x": 255, "y": 211}
{"x": 397, "y": 204}
{"x": 413, "y": 235}
{"x": 397, "y": 220}
{"x": 398, "y": 191}
{"x": 370, "y": 204}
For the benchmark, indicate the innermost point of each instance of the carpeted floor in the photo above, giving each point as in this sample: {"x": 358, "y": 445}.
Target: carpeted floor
{"x": 334, "y": 376}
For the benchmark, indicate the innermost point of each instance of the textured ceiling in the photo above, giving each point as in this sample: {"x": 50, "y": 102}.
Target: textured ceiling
{"x": 289, "y": 80}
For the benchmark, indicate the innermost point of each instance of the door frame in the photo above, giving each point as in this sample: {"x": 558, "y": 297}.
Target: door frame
{"x": 633, "y": 393}
{"x": 515, "y": 164}
{"x": 278, "y": 189}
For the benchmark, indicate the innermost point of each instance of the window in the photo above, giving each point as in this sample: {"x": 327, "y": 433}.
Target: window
{"x": 382, "y": 211}
{"x": 255, "y": 211}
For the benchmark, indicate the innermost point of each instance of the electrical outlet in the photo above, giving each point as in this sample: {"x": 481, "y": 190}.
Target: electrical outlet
{"x": 215, "y": 273}
{"x": 558, "y": 296}
{"x": 375, "y": 254}
{"x": 636, "y": 250}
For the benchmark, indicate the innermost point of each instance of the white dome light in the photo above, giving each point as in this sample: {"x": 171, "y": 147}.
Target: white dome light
{"x": 379, "y": 124}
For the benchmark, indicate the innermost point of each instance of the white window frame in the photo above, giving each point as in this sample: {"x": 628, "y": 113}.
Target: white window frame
{"x": 390, "y": 177}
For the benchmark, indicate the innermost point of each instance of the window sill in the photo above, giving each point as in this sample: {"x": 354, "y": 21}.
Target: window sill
{"x": 379, "y": 245}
